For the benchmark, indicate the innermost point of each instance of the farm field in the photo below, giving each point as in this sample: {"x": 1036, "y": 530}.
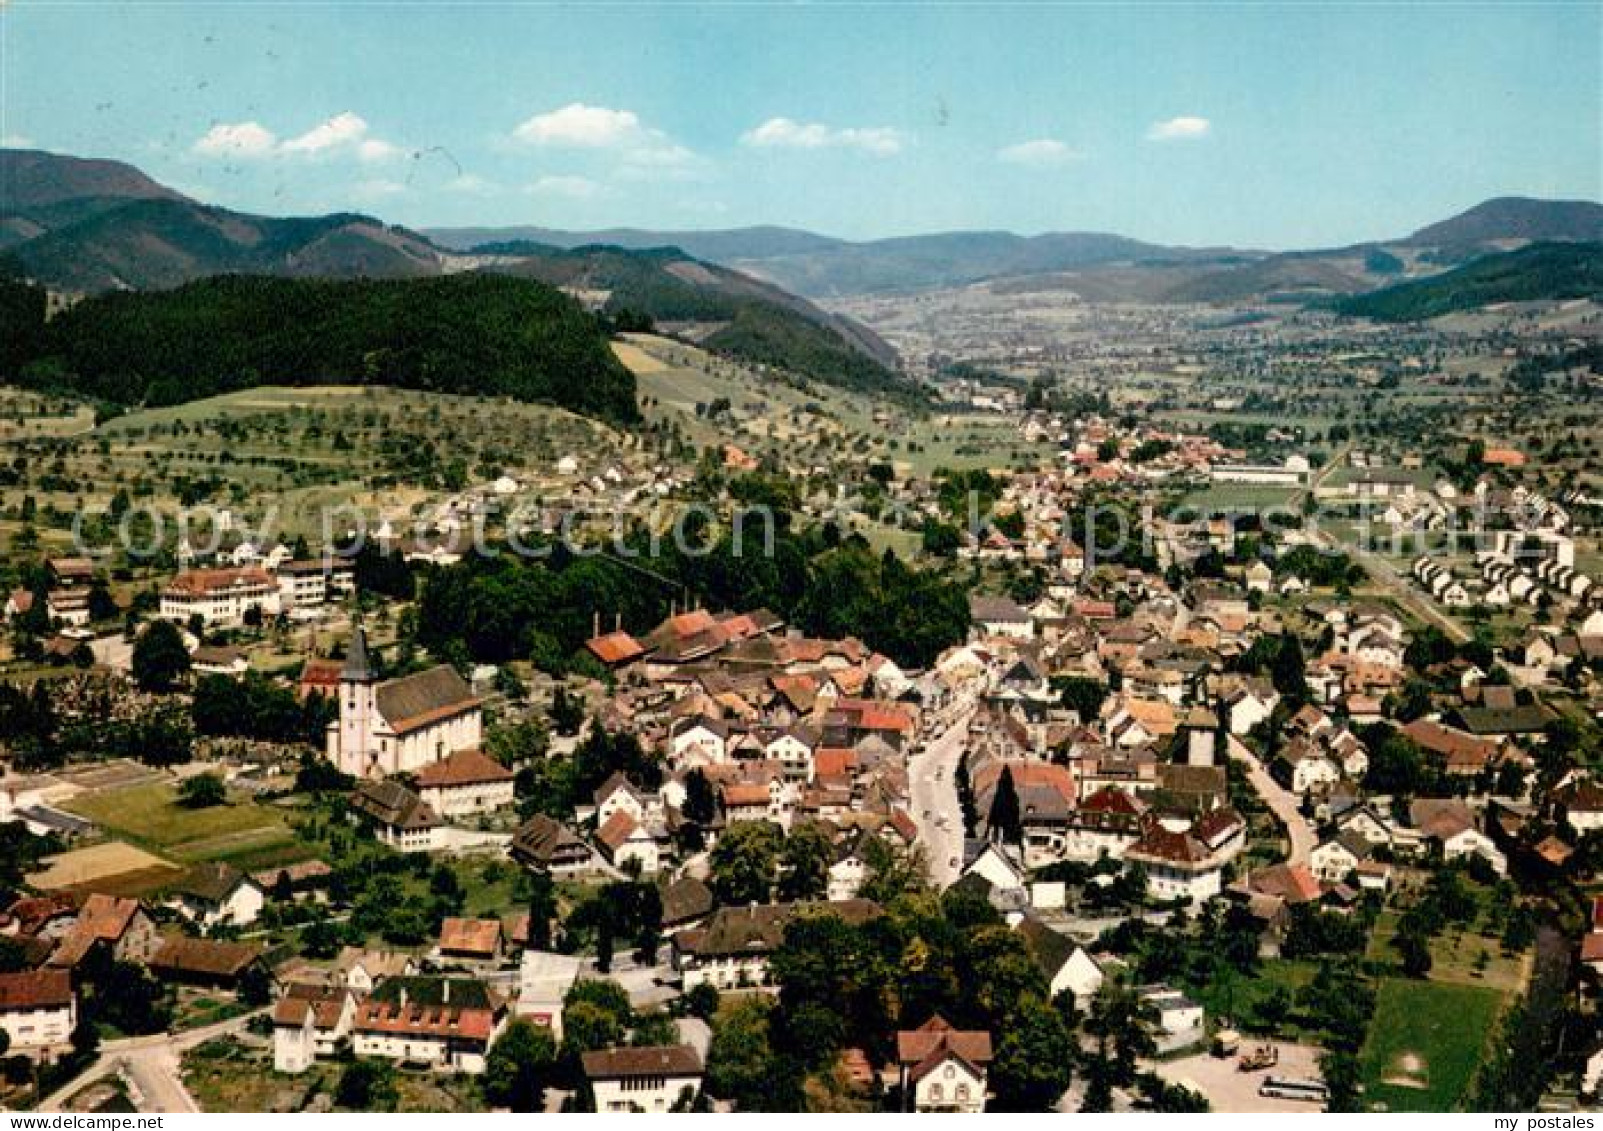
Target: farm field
{"x": 150, "y": 816}
{"x": 1424, "y": 1044}
{"x": 115, "y": 867}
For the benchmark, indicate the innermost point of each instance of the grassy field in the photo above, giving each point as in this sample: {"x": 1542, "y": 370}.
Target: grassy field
{"x": 805, "y": 428}
{"x": 150, "y": 816}
{"x": 1425, "y": 1043}
{"x": 1456, "y": 956}
{"x": 1235, "y": 996}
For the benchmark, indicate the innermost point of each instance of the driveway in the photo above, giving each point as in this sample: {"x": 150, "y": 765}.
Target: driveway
{"x": 1281, "y": 801}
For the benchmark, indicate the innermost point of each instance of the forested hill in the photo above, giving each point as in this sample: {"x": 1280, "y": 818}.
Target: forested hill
{"x": 472, "y": 334}
{"x": 1540, "y": 271}
{"x": 721, "y": 309}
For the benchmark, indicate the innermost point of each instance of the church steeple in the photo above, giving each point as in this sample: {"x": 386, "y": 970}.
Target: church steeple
{"x": 357, "y": 668}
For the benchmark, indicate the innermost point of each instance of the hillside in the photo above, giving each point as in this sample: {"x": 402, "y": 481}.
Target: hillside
{"x": 823, "y": 267}
{"x": 726, "y": 245}
{"x": 470, "y": 334}
{"x": 718, "y": 308}
{"x": 1516, "y": 218}
{"x": 40, "y": 191}
{"x": 145, "y": 244}
{"x": 1540, "y": 271}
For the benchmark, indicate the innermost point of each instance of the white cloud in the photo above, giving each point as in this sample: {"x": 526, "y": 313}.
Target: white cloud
{"x": 639, "y": 147}
{"x": 1042, "y": 153}
{"x": 345, "y": 134}
{"x": 237, "y": 139}
{"x": 787, "y": 133}
{"x": 342, "y": 130}
{"x": 582, "y": 127}
{"x": 377, "y": 189}
{"x": 1183, "y": 128}
{"x": 470, "y": 184}
{"x": 568, "y": 188}
{"x": 15, "y": 141}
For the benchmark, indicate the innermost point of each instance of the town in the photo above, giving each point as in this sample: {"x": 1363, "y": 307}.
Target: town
{"x": 455, "y": 665}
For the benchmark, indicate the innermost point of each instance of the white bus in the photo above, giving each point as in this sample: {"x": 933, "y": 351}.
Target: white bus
{"x": 1293, "y": 1088}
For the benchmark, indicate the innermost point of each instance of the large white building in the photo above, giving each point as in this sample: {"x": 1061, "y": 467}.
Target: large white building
{"x": 220, "y": 596}
{"x": 400, "y": 725}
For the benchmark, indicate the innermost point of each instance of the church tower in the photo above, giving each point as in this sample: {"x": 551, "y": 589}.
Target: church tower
{"x": 357, "y": 753}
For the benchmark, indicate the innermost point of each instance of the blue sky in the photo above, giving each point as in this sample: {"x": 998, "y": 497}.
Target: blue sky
{"x": 1249, "y": 124}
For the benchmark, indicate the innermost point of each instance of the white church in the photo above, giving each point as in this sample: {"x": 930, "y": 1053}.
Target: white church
{"x": 400, "y": 725}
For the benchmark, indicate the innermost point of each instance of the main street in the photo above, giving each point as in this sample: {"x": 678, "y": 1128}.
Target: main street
{"x": 932, "y": 786}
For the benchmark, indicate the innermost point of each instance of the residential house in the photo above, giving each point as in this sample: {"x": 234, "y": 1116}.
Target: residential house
{"x": 943, "y": 1069}
{"x": 446, "y": 1023}
{"x": 38, "y": 1012}
{"x": 649, "y": 1079}
{"x": 400, "y": 818}
{"x": 731, "y": 950}
{"x": 219, "y": 894}
{"x": 311, "y": 1021}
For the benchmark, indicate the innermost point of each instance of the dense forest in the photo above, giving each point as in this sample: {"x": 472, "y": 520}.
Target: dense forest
{"x": 1540, "y": 271}
{"x": 472, "y": 334}
{"x": 493, "y": 609}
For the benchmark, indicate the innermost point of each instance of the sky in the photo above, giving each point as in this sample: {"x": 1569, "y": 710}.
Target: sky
{"x": 1247, "y": 124}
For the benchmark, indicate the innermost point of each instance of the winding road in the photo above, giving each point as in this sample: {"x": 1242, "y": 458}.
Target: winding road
{"x": 1281, "y": 801}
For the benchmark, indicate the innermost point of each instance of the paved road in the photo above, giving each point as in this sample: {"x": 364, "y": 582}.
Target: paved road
{"x": 932, "y": 785}
{"x": 1281, "y": 801}
{"x": 153, "y": 1064}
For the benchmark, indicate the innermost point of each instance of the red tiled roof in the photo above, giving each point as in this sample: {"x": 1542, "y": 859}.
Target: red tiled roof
{"x": 35, "y": 989}
{"x": 615, "y": 648}
{"x": 201, "y": 582}
{"x": 465, "y": 767}
{"x": 470, "y": 936}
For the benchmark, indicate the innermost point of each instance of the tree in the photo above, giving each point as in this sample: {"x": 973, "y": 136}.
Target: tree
{"x": 542, "y": 909}
{"x": 1415, "y": 950}
{"x": 741, "y": 1063}
{"x": 255, "y": 985}
{"x": 1289, "y": 670}
{"x": 160, "y": 660}
{"x": 595, "y": 1015}
{"x": 700, "y": 805}
{"x": 202, "y": 791}
{"x": 1005, "y": 821}
{"x": 1031, "y": 1070}
{"x": 131, "y": 999}
{"x": 1082, "y": 696}
{"x": 804, "y": 863}
{"x": 367, "y": 1085}
{"x": 518, "y": 1066}
{"x": 745, "y": 863}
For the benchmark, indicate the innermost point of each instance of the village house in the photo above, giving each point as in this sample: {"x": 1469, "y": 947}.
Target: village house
{"x": 649, "y": 1079}
{"x": 943, "y": 1069}
{"x": 545, "y": 844}
{"x": 119, "y": 924}
{"x": 731, "y": 950}
{"x": 479, "y": 941}
{"x": 400, "y": 818}
{"x": 218, "y": 894}
{"x": 1186, "y": 860}
{"x": 311, "y": 1021}
{"x": 38, "y": 1012}
{"x": 445, "y": 1023}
